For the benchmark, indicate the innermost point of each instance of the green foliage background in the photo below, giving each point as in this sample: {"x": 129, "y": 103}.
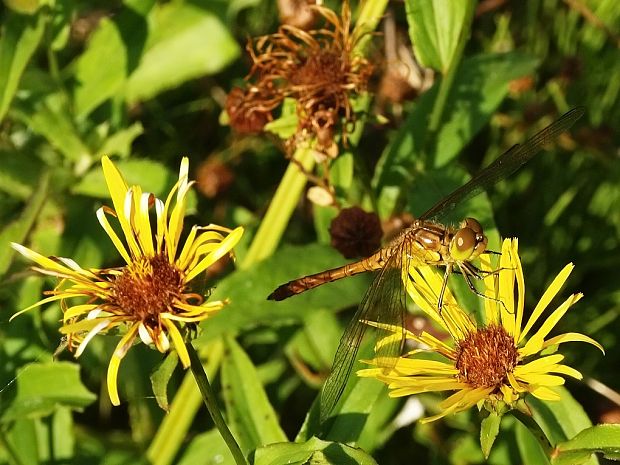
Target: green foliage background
{"x": 145, "y": 82}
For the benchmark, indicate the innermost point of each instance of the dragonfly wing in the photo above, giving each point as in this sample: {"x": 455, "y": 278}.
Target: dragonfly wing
{"x": 384, "y": 302}
{"x": 506, "y": 164}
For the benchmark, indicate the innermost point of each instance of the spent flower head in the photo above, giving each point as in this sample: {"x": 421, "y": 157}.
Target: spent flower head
{"x": 495, "y": 363}
{"x": 319, "y": 68}
{"x": 149, "y": 298}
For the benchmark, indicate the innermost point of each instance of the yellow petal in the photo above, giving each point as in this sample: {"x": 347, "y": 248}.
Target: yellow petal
{"x": 516, "y": 263}
{"x": 118, "y": 355}
{"x": 549, "y": 294}
{"x": 178, "y": 342}
{"x": 105, "y": 224}
{"x": 545, "y": 393}
{"x": 224, "y": 247}
{"x": 541, "y": 379}
{"x": 119, "y": 194}
{"x": 572, "y": 337}
{"x": 538, "y": 338}
{"x": 506, "y": 288}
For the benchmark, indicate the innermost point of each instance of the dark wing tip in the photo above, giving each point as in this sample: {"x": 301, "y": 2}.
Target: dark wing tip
{"x": 281, "y": 293}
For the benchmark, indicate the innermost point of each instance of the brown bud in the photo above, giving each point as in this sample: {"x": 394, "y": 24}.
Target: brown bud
{"x": 356, "y": 233}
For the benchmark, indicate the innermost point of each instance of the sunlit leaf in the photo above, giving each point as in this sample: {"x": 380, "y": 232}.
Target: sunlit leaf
{"x": 250, "y": 415}
{"x": 314, "y": 451}
{"x": 604, "y": 439}
{"x": 19, "y": 39}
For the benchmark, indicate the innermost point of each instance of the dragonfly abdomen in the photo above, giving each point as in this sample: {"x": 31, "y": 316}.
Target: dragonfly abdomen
{"x": 297, "y": 286}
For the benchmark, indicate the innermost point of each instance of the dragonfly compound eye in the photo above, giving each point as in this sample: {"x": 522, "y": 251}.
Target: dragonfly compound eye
{"x": 463, "y": 244}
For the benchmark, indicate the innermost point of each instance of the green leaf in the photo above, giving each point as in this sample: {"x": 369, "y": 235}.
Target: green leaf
{"x": 560, "y": 420}
{"x": 208, "y": 449}
{"x": 49, "y": 116}
{"x": 481, "y": 85}
{"x": 248, "y": 291}
{"x": 41, "y": 387}
{"x": 348, "y": 419}
{"x": 286, "y": 125}
{"x": 314, "y": 451}
{"x": 119, "y": 43}
{"x": 120, "y": 142}
{"x": 161, "y": 377}
{"x": 250, "y": 415}
{"x": 18, "y": 230}
{"x": 186, "y": 41}
{"x": 530, "y": 449}
{"x": 19, "y": 39}
{"x": 435, "y": 28}
{"x": 601, "y": 438}
{"x": 489, "y": 429}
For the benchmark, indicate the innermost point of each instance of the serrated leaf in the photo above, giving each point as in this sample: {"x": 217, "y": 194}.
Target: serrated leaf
{"x": 250, "y": 415}
{"x": 604, "y": 439}
{"x": 19, "y": 39}
{"x": 435, "y": 27}
{"x": 187, "y": 41}
{"x": 41, "y": 387}
{"x": 313, "y": 451}
{"x": 489, "y": 429}
{"x": 161, "y": 377}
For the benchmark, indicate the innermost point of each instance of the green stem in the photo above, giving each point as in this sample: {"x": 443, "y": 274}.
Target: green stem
{"x": 448, "y": 77}
{"x": 280, "y": 210}
{"x": 208, "y": 395}
{"x": 187, "y": 400}
{"x": 529, "y": 422}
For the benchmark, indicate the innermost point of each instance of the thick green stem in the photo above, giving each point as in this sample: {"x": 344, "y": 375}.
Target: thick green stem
{"x": 280, "y": 210}
{"x": 200, "y": 375}
{"x": 448, "y": 77}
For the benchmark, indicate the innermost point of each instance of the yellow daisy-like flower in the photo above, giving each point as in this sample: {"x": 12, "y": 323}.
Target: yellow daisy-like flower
{"x": 493, "y": 364}
{"x": 149, "y": 297}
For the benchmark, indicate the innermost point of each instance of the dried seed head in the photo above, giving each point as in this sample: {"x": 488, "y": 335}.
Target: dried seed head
{"x": 247, "y": 113}
{"x": 486, "y": 356}
{"x": 356, "y": 233}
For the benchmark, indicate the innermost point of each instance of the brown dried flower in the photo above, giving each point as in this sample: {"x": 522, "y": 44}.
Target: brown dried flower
{"x": 318, "y": 68}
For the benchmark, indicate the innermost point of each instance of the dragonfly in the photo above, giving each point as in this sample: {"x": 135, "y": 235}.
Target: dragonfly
{"x": 424, "y": 242}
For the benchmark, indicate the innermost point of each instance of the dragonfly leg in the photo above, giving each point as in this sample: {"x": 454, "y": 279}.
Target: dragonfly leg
{"x": 444, "y": 284}
{"x": 480, "y": 274}
{"x": 468, "y": 270}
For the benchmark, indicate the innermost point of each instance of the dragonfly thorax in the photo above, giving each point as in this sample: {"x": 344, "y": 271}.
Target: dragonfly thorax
{"x": 468, "y": 241}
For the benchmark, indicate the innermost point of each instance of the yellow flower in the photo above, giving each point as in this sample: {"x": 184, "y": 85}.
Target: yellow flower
{"x": 494, "y": 363}
{"x": 149, "y": 297}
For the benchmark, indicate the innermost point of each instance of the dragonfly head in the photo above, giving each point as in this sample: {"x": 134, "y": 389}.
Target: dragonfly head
{"x": 469, "y": 241}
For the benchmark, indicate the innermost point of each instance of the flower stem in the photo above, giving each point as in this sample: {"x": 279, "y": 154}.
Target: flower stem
{"x": 210, "y": 401}
{"x": 280, "y": 209}
{"x": 529, "y": 422}
{"x": 174, "y": 426}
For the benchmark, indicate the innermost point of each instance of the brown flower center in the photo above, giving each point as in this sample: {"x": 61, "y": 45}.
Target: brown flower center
{"x": 486, "y": 356}
{"x": 147, "y": 288}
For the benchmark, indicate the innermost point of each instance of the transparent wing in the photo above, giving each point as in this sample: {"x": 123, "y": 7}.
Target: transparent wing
{"x": 384, "y": 302}
{"x": 506, "y": 164}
